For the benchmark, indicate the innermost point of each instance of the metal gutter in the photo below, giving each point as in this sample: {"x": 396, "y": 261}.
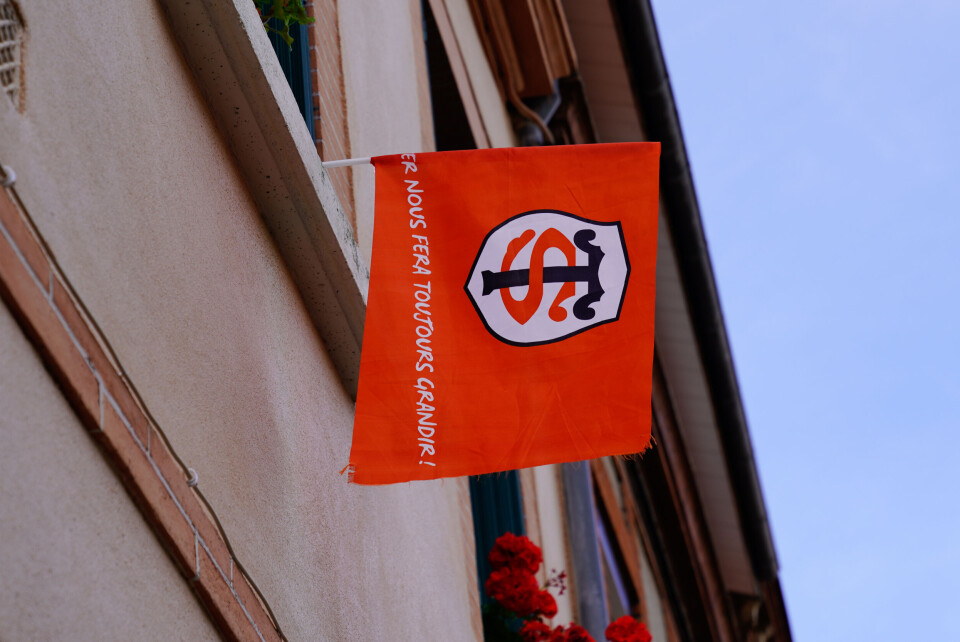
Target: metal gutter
{"x": 661, "y": 123}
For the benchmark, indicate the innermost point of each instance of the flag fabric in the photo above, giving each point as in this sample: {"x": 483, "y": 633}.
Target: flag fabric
{"x": 510, "y": 311}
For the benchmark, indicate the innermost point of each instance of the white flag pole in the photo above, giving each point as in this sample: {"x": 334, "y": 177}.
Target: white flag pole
{"x": 346, "y": 162}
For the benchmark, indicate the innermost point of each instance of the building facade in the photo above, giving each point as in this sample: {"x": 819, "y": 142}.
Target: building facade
{"x": 183, "y": 289}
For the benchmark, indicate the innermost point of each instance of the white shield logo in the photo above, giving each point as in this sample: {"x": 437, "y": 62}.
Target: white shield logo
{"x": 544, "y": 276}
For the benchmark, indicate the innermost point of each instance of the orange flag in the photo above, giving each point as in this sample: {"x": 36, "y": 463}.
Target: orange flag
{"x": 510, "y": 312}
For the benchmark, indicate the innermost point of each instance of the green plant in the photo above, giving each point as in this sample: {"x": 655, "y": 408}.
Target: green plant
{"x": 279, "y": 15}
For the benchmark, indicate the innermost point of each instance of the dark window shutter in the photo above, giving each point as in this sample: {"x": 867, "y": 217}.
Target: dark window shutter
{"x": 295, "y": 62}
{"x": 497, "y": 509}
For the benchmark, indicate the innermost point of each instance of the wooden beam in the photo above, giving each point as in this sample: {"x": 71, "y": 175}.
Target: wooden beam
{"x": 692, "y": 521}
{"x": 625, "y": 539}
{"x": 527, "y": 42}
{"x": 461, "y": 75}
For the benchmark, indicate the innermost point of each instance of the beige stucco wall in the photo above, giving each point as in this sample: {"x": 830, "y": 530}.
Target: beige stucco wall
{"x": 546, "y": 522}
{"x": 77, "y": 561}
{"x": 385, "y": 84}
{"x": 387, "y": 88}
{"x": 128, "y": 179}
{"x": 655, "y": 605}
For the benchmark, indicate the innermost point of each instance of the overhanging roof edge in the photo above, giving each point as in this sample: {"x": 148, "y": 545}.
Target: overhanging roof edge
{"x": 661, "y": 122}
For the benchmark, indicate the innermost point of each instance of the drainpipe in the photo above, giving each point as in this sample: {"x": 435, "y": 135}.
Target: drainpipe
{"x": 531, "y": 132}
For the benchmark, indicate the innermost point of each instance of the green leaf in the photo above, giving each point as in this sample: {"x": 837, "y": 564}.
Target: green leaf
{"x": 285, "y": 13}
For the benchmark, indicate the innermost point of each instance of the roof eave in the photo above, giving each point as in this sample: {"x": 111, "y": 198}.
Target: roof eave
{"x": 661, "y": 122}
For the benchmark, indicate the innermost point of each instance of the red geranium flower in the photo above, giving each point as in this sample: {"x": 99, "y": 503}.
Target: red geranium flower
{"x": 515, "y": 591}
{"x": 515, "y": 552}
{"x": 535, "y": 631}
{"x": 576, "y": 633}
{"x": 546, "y": 605}
{"x": 627, "y": 629}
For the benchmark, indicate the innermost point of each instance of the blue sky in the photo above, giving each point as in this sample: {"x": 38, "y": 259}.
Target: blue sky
{"x": 824, "y": 139}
